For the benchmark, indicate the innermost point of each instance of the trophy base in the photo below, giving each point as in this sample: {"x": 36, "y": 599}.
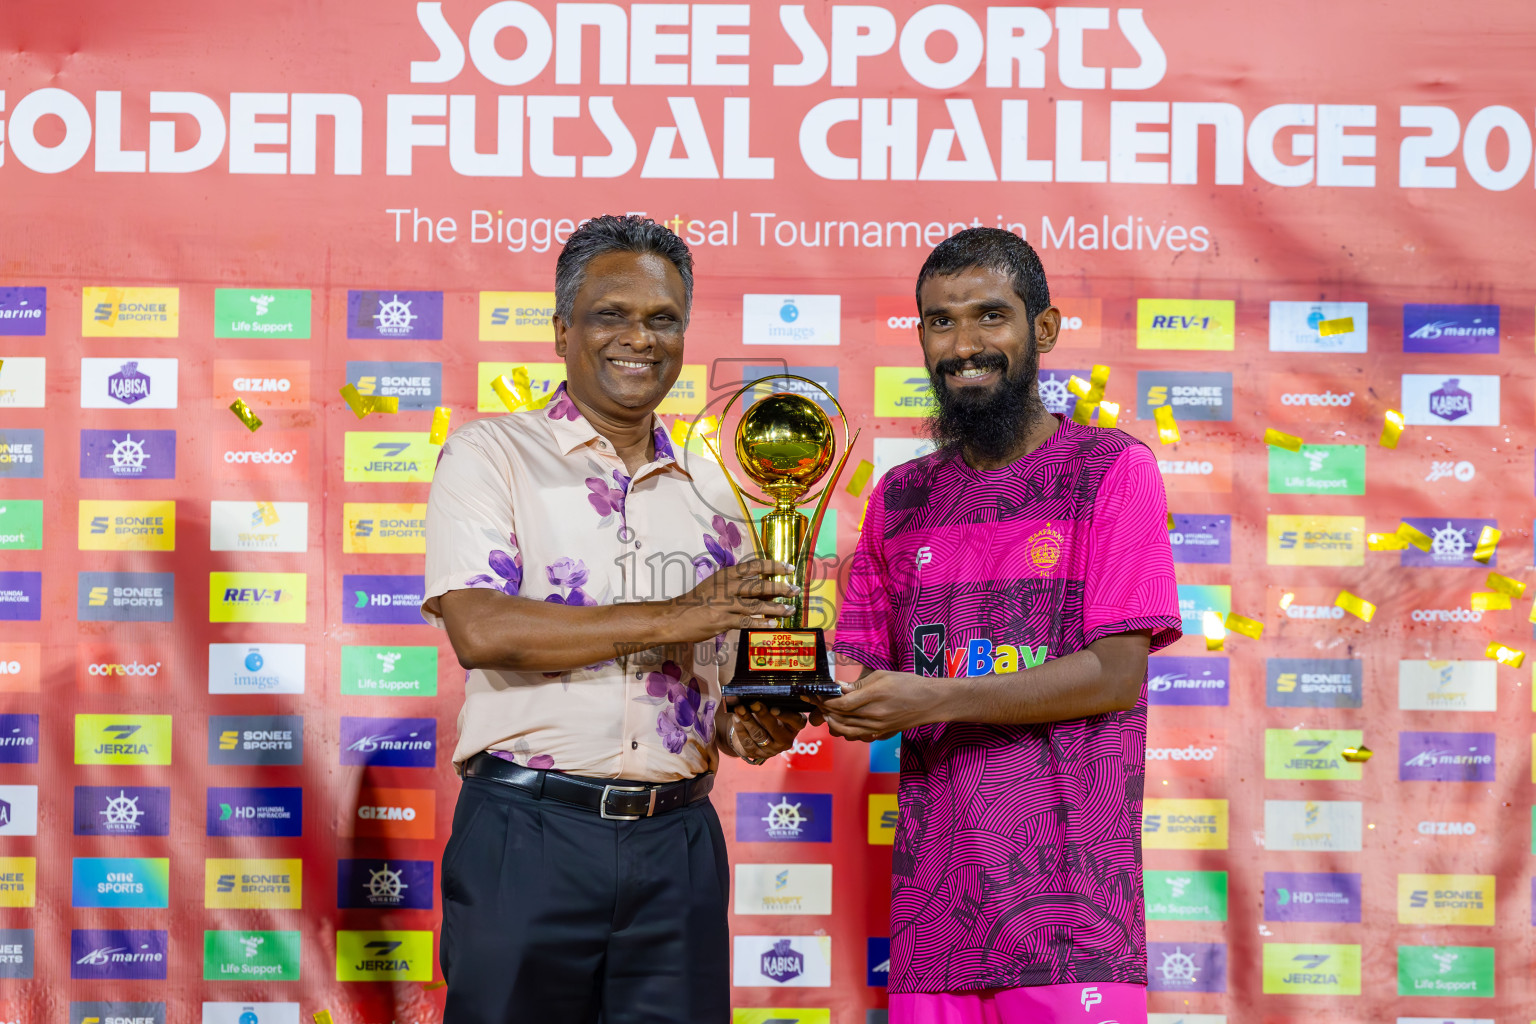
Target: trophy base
{"x": 779, "y": 668}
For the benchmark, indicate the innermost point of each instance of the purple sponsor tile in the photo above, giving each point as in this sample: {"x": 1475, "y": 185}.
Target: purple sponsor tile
{"x": 1186, "y": 966}
{"x": 783, "y": 817}
{"x": 399, "y": 742}
{"x": 128, "y": 454}
{"x": 123, "y": 953}
{"x": 24, "y": 311}
{"x": 373, "y": 884}
{"x": 1446, "y": 756}
{"x": 1450, "y": 328}
{"x": 122, "y": 810}
{"x": 18, "y": 739}
{"x": 1175, "y": 679}
{"x": 1453, "y": 543}
{"x": 255, "y": 811}
{"x": 1201, "y": 539}
{"x": 382, "y": 600}
{"x": 21, "y": 596}
{"x": 1311, "y": 896}
{"x": 389, "y": 314}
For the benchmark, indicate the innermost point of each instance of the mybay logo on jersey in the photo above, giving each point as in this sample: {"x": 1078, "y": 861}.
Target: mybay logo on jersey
{"x": 1171, "y": 824}
{"x": 242, "y": 884}
{"x": 265, "y": 383}
{"x": 1445, "y": 899}
{"x": 251, "y": 1013}
{"x": 517, "y": 316}
{"x": 266, "y": 811}
{"x": 382, "y": 812}
{"x": 1311, "y": 969}
{"x": 1315, "y": 540}
{"x": 783, "y": 817}
{"x": 127, "y": 526}
{"x": 130, "y": 312}
{"x": 1195, "y": 599}
{"x": 1310, "y": 753}
{"x": 791, "y": 319}
{"x": 24, "y": 312}
{"x": 388, "y": 670}
{"x": 116, "y": 1013}
{"x": 1445, "y": 971}
{"x": 121, "y": 954}
{"x": 17, "y": 953}
{"x": 1196, "y": 467}
{"x": 1186, "y": 967}
{"x": 128, "y": 454}
{"x": 268, "y": 455}
{"x": 250, "y": 956}
{"x": 390, "y": 456}
{"x": 1332, "y": 826}
{"x": 1186, "y": 895}
{"x": 1446, "y": 756}
{"x": 903, "y": 391}
{"x": 1447, "y": 686}
{"x": 261, "y": 313}
{"x": 18, "y": 810}
{"x": 1180, "y": 680}
{"x": 122, "y": 810}
{"x": 123, "y": 739}
{"x": 1205, "y": 325}
{"x": 384, "y": 528}
{"x": 257, "y": 597}
{"x": 256, "y": 739}
{"x": 382, "y": 599}
{"x": 1452, "y": 543}
{"x": 21, "y": 454}
{"x": 543, "y": 378}
{"x": 256, "y": 668}
{"x": 1314, "y": 682}
{"x": 395, "y": 315}
{"x": 18, "y": 881}
{"x": 18, "y": 739}
{"x": 21, "y": 596}
{"x": 1294, "y": 326}
{"x": 1201, "y": 539}
{"x": 1440, "y": 400}
{"x": 1176, "y": 752}
{"x": 23, "y": 380}
{"x": 884, "y": 815}
{"x": 1191, "y": 394}
{"x": 397, "y": 742}
{"x": 1055, "y": 393}
{"x": 782, "y": 961}
{"x": 21, "y": 525}
{"x": 783, "y": 889}
{"x": 120, "y": 882}
{"x": 1318, "y": 469}
{"x": 416, "y": 385}
{"x": 383, "y": 956}
{"x": 1312, "y": 896}
{"x": 258, "y": 526}
{"x": 1451, "y": 328}
{"x": 368, "y": 883}
{"x": 128, "y": 383}
{"x": 932, "y": 657}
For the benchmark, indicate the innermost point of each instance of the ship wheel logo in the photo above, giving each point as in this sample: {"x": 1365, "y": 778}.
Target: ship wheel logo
{"x": 784, "y": 818}
{"x": 1054, "y": 394}
{"x": 386, "y": 886}
{"x": 128, "y": 456}
{"x": 1449, "y": 544}
{"x": 122, "y": 812}
{"x": 1178, "y": 967}
{"x": 394, "y": 316}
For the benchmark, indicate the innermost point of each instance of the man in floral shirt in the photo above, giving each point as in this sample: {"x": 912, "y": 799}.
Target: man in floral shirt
{"x": 585, "y": 578}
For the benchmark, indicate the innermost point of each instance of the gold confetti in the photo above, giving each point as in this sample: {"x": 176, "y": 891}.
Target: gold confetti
{"x": 503, "y": 389}
{"x": 1385, "y": 542}
{"x": 1078, "y": 386}
{"x": 860, "y": 478}
{"x": 862, "y": 512}
{"x": 1415, "y": 536}
{"x": 1279, "y": 439}
{"x": 1253, "y": 629}
{"x": 1286, "y": 599}
{"x": 1357, "y": 755}
{"x": 362, "y": 405}
{"x": 1359, "y": 607}
{"x": 1167, "y": 426}
{"x": 250, "y": 419}
{"x": 680, "y": 432}
{"x": 1100, "y": 376}
{"x": 1487, "y": 541}
{"x": 1215, "y": 631}
{"x": 1391, "y": 428}
{"x": 1109, "y": 414}
{"x": 1489, "y": 602}
{"x": 322, "y": 1017}
{"x": 1505, "y": 585}
{"x": 1343, "y": 325}
{"x": 1505, "y": 655}
{"x": 440, "y": 417}
{"x": 542, "y": 402}
{"x": 1170, "y": 522}
{"x": 266, "y": 512}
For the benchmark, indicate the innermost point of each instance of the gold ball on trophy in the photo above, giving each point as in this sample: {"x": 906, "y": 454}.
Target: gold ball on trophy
{"x": 785, "y": 443}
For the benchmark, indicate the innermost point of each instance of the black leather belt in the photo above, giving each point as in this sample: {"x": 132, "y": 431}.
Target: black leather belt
{"x": 621, "y": 801}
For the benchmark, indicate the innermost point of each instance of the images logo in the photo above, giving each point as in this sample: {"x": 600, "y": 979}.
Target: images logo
{"x": 1445, "y": 899}
{"x": 130, "y": 312}
{"x": 389, "y": 457}
{"x": 1186, "y": 895}
{"x": 122, "y": 810}
{"x": 791, "y": 319}
{"x": 391, "y": 528}
{"x": 1311, "y": 896}
{"x": 397, "y": 742}
{"x": 18, "y": 739}
{"x": 256, "y": 739}
{"x": 1313, "y": 682}
{"x": 1187, "y": 681}
{"x": 903, "y": 391}
{"x": 1191, "y": 324}
{"x": 24, "y": 312}
{"x": 257, "y": 597}
{"x": 1315, "y": 540}
{"x": 21, "y": 454}
{"x": 1311, "y": 969}
{"x": 100, "y": 954}
{"x": 788, "y": 961}
{"x": 255, "y": 668}
{"x": 1318, "y": 469}
{"x": 1201, "y": 539}
{"x": 517, "y": 316}
{"x": 1458, "y": 329}
{"x": 250, "y": 1013}
{"x": 1293, "y": 326}
{"x": 383, "y": 956}
{"x": 23, "y": 379}
{"x": 382, "y": 600}
{"x": 1192, "y": 395}
{"x": 1470, "y": 400}
{"x": 384, "y": 813}
{"x": 1195, "y": 599}
{"x": 251, "y": 884}
{"x": 21, "y": 525}
{"x": 1186, "y": 967}
{"x": 261, "y": 313}
{"x": 241, "y": 955}
{"x": 259, "y": 526}
{"x": 1447, "y": 686}
{"x": 372, "y": 884}
{"x": 389, "y": 671}
{"x": 1453, "y": 542}
{"x": 417, "y": 385}
{"x": 265, "y": 383}
{"x": 1184, "y": 824}
{"x": 16, "y": 953}
{"x": 884, "y": 814}
{"x": 1446, "y": 756}
{"x": 18, "y": 810}
{"x": 128, "y": 454}
{"x": 783, "y": 889}
{"x": 127, "y": 526}
{"x": 121, "y": 882}
{"x": 783, "y": 817}
{"x": 267, "y": 811}
{"x": 269, "y": 455}
{"x": 132, "y": 384}
{"x": 385, "y": 315}
{"x": 123, "y": 739}
{"x": 1327, "y": 825}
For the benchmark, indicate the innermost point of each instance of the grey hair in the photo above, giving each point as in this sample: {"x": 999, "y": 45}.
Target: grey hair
{"x": 610, "y": 233}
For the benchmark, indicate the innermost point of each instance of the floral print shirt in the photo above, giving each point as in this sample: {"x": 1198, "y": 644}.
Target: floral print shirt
{"x": 537, "y": 505}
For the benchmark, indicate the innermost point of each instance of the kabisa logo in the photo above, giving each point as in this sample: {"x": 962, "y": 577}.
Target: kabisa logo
{"x": 123, "y": 739}
{"x": 130, "y": 384}
{"x": 396, "y": 742}
{"x": 1470, "y": 400}
{"x": 120, "y": 954}
{"x": 21, "y": 454}
{"x": 1192, "y": 395}
{"x": 128, "y": 454}
{"x": 122, "y": 810}
{"x": 120, "y": 882}
{"x": 24, "y": 312}
{"x": 388, "y": 457}
{"x": 248, "y": 955}
{"x": 416, "y": 385}
{"x": 127, "y": 525}
{"x": 383, "y": 956}
{"x": 1316, "y": 540}
{"x": 1184, "y": 824}
{"x": 1453, "y": 543}
{"x": 388, "y": 671}
{"x": 1201, "y": 539}
{"x": 1187, "y": 681}
{"x": 256, "y": 668}
{"x": 382, "y": 599}
{"x": 261, "y": 313}
{"x": 782, "y": 962}
{"x": 18, "y": 810}
{"x": 395, "y": 315}
{"x": 387, "y": 528}
{"x": 255, "y": 739}
{"x": 1446, "y": 756}
{"x": 1295, "y": 326}
{"x": 267, "y": 811}
{"x": 1327, "y": 825}
{"x": 784, "y": 817}
{"x": 389, "y": 813}
{"x": 1457, "y": 329}
{"x": 1310, "y": 753}
{"x": 130, "y": 312}
{"x": 373, "y": 884}
{"x": 978, "y": 657}
{"x": 791, "y": 320}
{"x": 125, "y": 597}
{"x": 1445, "y": 899}
{"x": 18, "y": 739}
{"x": 1447, "y": 685}
{"x": 249, "y": 884}
{"x": 1311, "y": 969}
{"x": 1186, "y": 967}
{"x": 21, "y": 596}
{"x": 1311, "y": 897}
{"x": 257, "y": 597}
{"x": 903, "y": 391}
{"x": 1190, "y": 324}
{"x": 1314, "y": 682}
{"x": 517, "y": 316}
{"x": 790, "y": 961}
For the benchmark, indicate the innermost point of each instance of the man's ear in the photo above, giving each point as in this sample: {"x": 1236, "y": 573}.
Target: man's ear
{"x": 1047, "y": 329}
{"x": 559, "y": 324}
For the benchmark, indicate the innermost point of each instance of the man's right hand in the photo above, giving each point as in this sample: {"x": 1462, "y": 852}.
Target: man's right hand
{"x": 737, "y": 597}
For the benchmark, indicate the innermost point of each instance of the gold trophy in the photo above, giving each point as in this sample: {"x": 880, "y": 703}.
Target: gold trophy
{"x": 785, "y": 444}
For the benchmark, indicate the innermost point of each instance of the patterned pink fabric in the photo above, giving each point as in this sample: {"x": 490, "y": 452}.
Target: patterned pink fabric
{"x": 1017, "y": 857}
{"x": 1109, "y": 1003}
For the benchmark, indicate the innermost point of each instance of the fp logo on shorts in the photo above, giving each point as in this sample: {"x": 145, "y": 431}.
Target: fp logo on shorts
{"x": 924, "y": 556}
{"x": 1090, "y": 997}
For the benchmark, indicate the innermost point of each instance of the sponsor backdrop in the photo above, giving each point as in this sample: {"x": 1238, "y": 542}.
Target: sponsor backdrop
{"x": 223, "y": 784}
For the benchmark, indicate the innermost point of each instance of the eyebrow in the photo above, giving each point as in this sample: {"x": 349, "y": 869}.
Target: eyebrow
{"x": 981, "y": 306}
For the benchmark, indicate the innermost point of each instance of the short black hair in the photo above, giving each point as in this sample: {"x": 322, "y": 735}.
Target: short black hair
{"x": 991, "y": 249}
{"x": 610, "y": 233}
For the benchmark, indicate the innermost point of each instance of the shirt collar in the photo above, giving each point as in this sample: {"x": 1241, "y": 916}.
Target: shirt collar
{"x": 571, "y": 430}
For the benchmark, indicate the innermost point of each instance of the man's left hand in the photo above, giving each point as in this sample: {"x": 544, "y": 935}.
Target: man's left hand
{"x": 882, "y": 704}
{"x": 763, "y": 732}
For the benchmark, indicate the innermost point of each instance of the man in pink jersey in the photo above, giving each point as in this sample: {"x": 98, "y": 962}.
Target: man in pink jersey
{"x": 1001, "y": 604}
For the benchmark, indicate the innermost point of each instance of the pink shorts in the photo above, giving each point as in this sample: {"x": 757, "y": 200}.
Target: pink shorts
{"x": 1044, "y": 1004}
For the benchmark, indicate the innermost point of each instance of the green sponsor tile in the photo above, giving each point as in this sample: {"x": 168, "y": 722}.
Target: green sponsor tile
{"x": 250, "y": 956}
{"x": 1186, "y": 895}
{"x": 1310, "y": 753}
{"x": 388, "y": 671}
{"x": 1318, "y": 469}
{"x": 261, "y": 313}
{"x": 1460, "y": 971}
{"x": 21, "y": 525}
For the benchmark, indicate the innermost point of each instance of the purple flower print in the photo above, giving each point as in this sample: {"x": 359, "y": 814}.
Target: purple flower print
{"x": 721, "y": 539}
{"x": 541, "y": 761}
{"x": 567, "y": 572}
{"x": 729, "y": 534}
{"x": 606, "y": 500}
{"x": 664, "y": 448}
{"x": 508, "y": 567}
{"x": 683, "y": 708}
{"x": 561, "y": 407}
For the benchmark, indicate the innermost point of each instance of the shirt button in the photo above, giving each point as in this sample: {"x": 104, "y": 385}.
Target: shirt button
{"x": 637, "y": 545}
{"x": 639, "y": 675}
{"x": 634, "y": 744}
{"x": 602, "y": 444}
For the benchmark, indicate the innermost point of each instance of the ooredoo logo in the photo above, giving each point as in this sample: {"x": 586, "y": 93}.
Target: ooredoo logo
{"x": 120, "y": 668}
{"x": 1447, "y": 615}
{"x": 1327, "y": 398}
{"x": 812, "y": 750}
{"x": 896, "y": 320}
{"x": 268, "y": 455}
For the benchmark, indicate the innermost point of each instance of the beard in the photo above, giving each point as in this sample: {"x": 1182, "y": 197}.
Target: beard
{"x": 989, "y": 422}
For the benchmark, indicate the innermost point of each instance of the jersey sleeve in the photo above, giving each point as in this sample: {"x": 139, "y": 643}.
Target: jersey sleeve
{"x": 1130, "y": 583}
{"x": 471, "y": 526}
{"x": 864, "y": 626}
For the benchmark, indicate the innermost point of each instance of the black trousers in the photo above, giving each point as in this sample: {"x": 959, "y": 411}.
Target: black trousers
{"x": 553, "y": 915}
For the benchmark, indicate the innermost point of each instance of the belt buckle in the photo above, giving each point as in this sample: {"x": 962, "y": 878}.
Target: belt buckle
{"x": 602, "y": 808}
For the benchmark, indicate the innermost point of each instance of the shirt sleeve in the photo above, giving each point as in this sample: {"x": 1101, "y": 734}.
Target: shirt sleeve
{"x": 864, "y": 614}
{"x": 1130, "y": 583}
{"x": 471, "y": 528}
